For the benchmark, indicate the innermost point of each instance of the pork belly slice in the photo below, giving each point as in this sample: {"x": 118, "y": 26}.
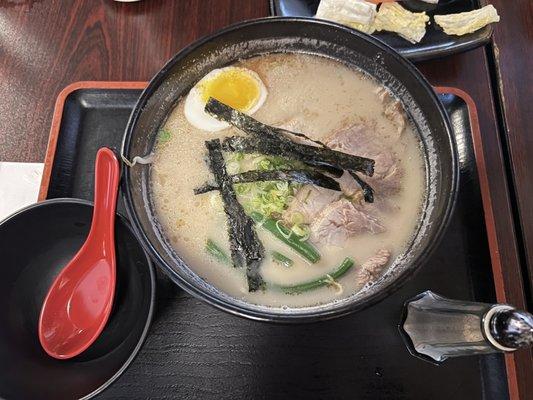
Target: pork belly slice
{"x": 342, "y": 219}
{"x": 392, "y": 109}
{"x": 309, "y": 201}
{"x": 348, "y": 185}
{"x": 295, "y": 125}
{"x": 360, "y": 139}
{"x": 372, "y": 268}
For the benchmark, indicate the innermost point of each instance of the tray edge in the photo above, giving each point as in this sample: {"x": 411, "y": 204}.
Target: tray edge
{"x": 490, "y": 224}
{"x": 57, "y": 117}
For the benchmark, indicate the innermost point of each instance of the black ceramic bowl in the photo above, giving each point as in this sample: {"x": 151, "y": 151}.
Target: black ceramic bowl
{"x": 303, "y": 35}
{"x": 35, "y": 243}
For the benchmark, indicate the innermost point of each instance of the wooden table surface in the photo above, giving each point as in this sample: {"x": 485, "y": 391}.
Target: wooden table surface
{"x": 513, "y": 74}
{"x": 47, "y": 44}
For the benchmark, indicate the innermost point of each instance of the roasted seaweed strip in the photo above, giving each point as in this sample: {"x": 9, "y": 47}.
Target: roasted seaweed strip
{"x": 326, "y": 169}
{"x": 368, "y": 192}
{"x": 294, "y": 175}
{"x": 333, "y": 171}
{"x": 246, "y": 249}
{"x": 265, "y": 136}
{"x": 286, "y": 132}
{"x": 312, "y": 155}
{"x": 254, "y": 145}
{"x": 288, "y": 175}
{"x": 277, "y": 143}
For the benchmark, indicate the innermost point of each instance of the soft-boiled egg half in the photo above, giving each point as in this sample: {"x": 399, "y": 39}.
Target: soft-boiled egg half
{"x": 239, "y": 88}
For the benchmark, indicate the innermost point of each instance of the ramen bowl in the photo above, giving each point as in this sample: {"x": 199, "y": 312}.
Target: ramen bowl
{"x": 293, "y": 35}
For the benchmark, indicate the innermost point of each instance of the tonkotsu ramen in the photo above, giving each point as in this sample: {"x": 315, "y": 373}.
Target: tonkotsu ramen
{"x": 288, "y": 180}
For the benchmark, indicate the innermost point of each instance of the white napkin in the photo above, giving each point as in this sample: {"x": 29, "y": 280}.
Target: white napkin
{"x": 19, "y": 185}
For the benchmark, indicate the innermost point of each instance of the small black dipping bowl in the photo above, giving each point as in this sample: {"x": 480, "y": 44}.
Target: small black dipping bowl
{"x": 35, "y": 243}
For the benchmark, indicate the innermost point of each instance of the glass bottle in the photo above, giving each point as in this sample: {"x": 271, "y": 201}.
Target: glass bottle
{"x": 436, "y": 328}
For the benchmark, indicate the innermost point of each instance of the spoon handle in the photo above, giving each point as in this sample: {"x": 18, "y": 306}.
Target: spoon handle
{"x": 106, "y": 178}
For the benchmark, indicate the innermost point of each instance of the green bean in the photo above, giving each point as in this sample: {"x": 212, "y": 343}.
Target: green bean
{"x": 282, "y": 259}
{"x": 302, "y": 247}
{"x": 319, "y": 282}
{"x": 219, "y": 254}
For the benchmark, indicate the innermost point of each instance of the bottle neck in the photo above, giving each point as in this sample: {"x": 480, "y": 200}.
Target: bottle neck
{"x": 510, "y": 328}
{"x": 493, "y": 333}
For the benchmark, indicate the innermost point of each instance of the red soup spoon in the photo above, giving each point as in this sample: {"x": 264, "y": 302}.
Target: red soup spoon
{"x": 79, "y": 301}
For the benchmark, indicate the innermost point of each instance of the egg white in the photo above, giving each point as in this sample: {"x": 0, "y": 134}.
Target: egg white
{"x": 194, "y": 104}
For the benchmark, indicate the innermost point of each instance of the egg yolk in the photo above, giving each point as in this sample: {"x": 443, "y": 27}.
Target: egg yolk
{"x": 233, "y": 87}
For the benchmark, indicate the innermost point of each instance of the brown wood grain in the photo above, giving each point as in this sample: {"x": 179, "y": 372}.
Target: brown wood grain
{"x": 46, "y": 45}
{"x": 513, "y": 46}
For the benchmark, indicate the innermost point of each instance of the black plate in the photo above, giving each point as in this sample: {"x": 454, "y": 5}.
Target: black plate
{"x": 435, "y": 43}
{"x": 196, "y": 351}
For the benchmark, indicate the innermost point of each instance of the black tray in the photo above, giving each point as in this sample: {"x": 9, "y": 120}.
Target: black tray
{"x": 435, "y": 43}
{"x": 194, "y": 351}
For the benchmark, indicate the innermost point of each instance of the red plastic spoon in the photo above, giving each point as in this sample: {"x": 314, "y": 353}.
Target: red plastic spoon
{"x": 79, "y": 301}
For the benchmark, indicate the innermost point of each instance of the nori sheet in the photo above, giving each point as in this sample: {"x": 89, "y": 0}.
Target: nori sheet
{"x": 268, "y": 137}
{"x": 246, "y": 249}
{"x": 288, "y": 175}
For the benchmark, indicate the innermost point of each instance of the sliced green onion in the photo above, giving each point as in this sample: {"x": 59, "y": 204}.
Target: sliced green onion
{"x": 242, "y": 188}
{"x": 301, "y": 230}
{"x": 264, "y": 165}
{"x": 164, "y": 135}
{"x": 283, "y": 232}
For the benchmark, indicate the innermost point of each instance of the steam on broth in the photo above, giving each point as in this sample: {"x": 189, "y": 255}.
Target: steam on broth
{"x": 330, "y": 239}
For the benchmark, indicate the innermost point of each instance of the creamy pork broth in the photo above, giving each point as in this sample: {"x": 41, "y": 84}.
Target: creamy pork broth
{"x": 307, "y": 94}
